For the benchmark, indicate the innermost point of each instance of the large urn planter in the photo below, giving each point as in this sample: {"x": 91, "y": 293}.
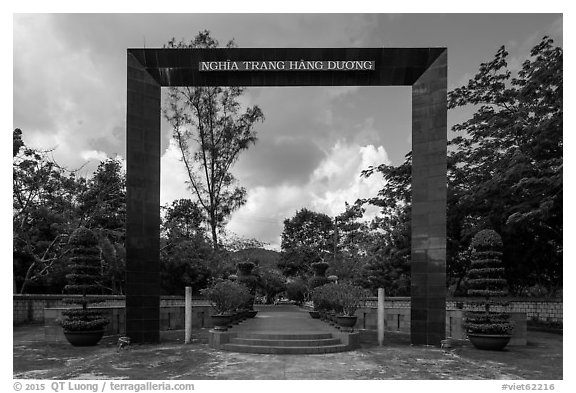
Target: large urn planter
{"x": 346, "y": 322}
{"x": 220, "y": 322}
{"x": 85, "y": 338}
{"x": 492, "y": 342}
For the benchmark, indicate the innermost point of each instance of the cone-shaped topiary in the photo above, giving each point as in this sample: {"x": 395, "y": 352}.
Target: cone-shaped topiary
{"x": 246, "y": 277}
{"x": 84, "y": 266}
{"x": 486, "y": 280}
{"x": 319, "y": 277}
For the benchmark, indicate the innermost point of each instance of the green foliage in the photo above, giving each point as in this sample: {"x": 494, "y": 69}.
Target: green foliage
{"x": 487, "y": 281}
{"x": 103, "y": 204}
{"x": 353, "y": 242}
{"x": 342, "y": 298}
{"x": 296, "y": 290}
{"x": 211, "y": 131}
{"x": 84, "y": 242}
{"x": 317, "y": 281}
{"x": 320, "y": 268}
{"x": 307, "y": 238}
{"x": 85, "y": 265}
{"x": 271, "y": 283}
{"x": 182, "y": 220}
{"x": 319, "y": 277}
{"x": 226, "y": 296}
{"x": 44, "y": 213}
{"x": 387, "y": 261}
{"x": 350, "y": 298}
{"x": 487, "y": 239}
{"x": 505, "y": 163}
{"x": 186, "y": 256}
{"x": 504, "y": 172}
{"x": 187, "y": 262}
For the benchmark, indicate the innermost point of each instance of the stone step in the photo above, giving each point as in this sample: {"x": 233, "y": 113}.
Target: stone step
{"x": 285, "y": 350}
{"x": 284, "y": 336}
{"x": 285, "y": 342}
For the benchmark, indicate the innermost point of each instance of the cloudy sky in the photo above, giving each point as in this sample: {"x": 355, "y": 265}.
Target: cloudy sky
{"x": 69, "y": 81}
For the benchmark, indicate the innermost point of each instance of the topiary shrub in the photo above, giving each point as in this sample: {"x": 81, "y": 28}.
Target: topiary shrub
{"x": 319, "y": 277}
{"x": 85, "y": 271}
{"x": 486, "y": 280}
{"x": 319, "y": 268}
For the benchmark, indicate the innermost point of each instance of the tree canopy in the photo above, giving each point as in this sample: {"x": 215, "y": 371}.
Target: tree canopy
{"x": 307, "y": 238}
{"x": 211, "y": 129}
{"x": 505, "y": 163}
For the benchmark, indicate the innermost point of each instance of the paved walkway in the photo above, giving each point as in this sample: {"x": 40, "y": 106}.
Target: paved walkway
{"x": 283, "y": 319}
{"x": 33, "y": 358}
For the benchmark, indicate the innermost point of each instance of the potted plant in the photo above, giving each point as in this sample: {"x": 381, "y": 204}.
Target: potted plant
{"x": 350, "y": 298}
{"x": 321, "y": 302}
{"x": 325, "y": 301}
{"x": 487, "y": 327}
{"x": 225, "y": 297}
{"x": 83, "y": 326}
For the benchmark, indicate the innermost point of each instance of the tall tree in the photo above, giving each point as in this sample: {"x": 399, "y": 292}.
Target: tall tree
{"x": 506, "y": 161}
{"x": 307, "y": 238}
{"x": 352, "y": 239}
{"x": 44, "y": 214}
{"x": 182, "y": 220}
{"x": 103, "y": 209}
{"x": 388, "y": 258}
{"x": 103, "y": 204}
{"x": 186, "y": 256}
{"x": 211, "y": 130}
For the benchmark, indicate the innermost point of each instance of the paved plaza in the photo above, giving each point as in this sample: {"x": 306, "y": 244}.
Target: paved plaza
{"x": 541, "y": 359}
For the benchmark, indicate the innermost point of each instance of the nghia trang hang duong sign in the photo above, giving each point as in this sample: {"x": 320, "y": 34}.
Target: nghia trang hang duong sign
{"x": 288, "y": 65}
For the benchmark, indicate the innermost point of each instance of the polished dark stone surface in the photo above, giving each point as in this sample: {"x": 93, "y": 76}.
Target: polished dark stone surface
{"x": 179, "y": 67}
{"x": 425, "y": 69}
{"x": 143, "y": 205}
{"x": 428, "y": 267}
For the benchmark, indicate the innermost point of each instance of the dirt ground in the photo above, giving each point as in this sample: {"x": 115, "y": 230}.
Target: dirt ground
{"x": 541, "y": 359}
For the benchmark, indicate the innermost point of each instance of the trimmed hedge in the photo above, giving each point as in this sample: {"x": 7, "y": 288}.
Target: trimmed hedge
{"x": 486, "y": 279}
{"x": 85, "y": 267}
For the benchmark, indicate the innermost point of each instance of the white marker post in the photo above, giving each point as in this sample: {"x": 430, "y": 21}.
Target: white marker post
{"x": 380, "y": 316}
{"x": 188, "y": 316}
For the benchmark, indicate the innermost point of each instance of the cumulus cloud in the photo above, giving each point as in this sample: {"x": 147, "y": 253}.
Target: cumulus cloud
{"x": 173, "y": 176}
{"x": 88, "y": 155}
{"x": 335, "y": 181}
{"x": 63, "y": 99}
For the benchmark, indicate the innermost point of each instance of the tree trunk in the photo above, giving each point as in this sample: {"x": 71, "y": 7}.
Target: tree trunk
{"x": 213, "y": 227}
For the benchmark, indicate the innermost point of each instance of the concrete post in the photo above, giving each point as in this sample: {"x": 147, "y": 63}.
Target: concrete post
{"x": 380, "y": 316}
{"x": 188, "y": 316}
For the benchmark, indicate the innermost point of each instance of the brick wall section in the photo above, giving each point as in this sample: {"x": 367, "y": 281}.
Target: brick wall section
{"x": 171, "y": 318}
{"x": 398, "y": 320}
{"x": 545, "y": 310}
{"x": 30, "y": 308}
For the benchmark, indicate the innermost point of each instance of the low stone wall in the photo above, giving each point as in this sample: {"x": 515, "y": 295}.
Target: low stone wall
{"x": 544, "y": 310}
{"x": 171, "y": 318}
{"x": 398, "y": 320}
{"x": 30, "y": 308}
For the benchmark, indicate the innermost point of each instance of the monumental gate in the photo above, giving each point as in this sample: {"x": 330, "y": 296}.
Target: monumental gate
{"x": 425, "y": 69}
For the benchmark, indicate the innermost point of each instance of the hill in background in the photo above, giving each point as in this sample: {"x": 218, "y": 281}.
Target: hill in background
{"x": 267, "y": 259}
